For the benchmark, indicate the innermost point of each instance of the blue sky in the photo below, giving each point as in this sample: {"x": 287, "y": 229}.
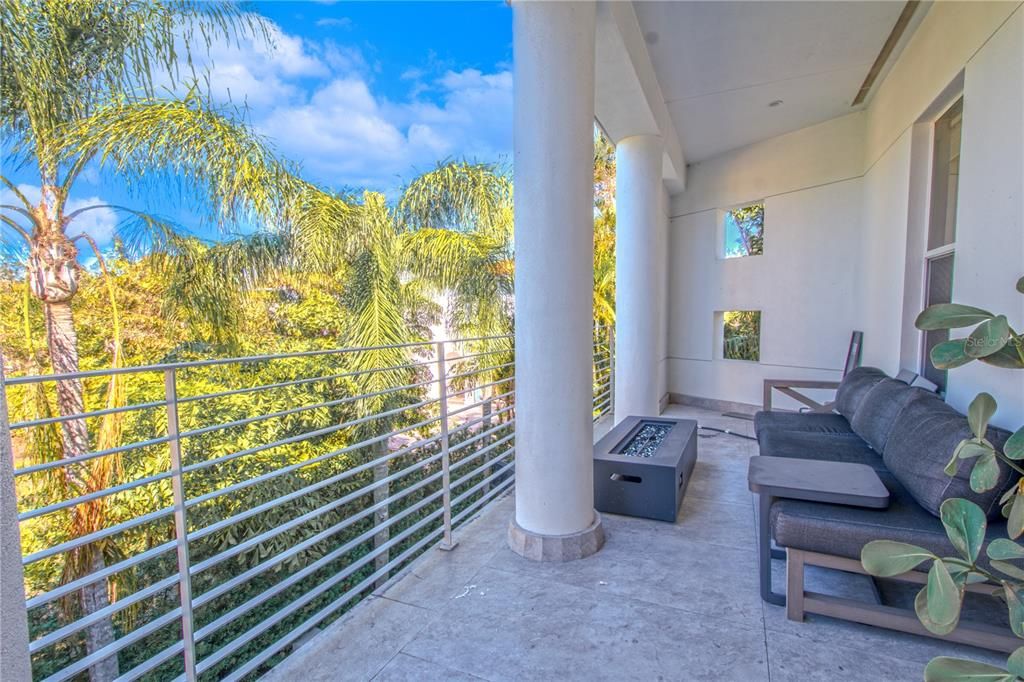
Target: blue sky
{"x": 361, "y": 94}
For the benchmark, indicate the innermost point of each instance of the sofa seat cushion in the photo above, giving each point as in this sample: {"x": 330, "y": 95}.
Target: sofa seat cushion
{"x": 922, "y": 442}
{"x": 832, "y": 447}
{"x": 843, "y": 531}
{"x": 879, "y": 409}
{"x": 815, "y": 422}
{"x": 854, "y": 387}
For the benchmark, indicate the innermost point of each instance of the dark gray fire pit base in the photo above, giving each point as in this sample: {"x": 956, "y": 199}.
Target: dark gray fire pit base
{"x": 650, "y": 482}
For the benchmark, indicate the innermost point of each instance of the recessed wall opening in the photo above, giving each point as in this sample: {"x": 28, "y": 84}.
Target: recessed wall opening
{"x": 740, "y": 334}
{"x": 742, "y": 231}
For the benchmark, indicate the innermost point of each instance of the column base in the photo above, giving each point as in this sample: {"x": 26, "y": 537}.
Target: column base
{"x": 538, "y": 547}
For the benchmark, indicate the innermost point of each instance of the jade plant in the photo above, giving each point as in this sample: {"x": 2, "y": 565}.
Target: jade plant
{"x": 994, "y": 342}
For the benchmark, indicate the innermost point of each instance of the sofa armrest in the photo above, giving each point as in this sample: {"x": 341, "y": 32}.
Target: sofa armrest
{"x": 787, "y": 386}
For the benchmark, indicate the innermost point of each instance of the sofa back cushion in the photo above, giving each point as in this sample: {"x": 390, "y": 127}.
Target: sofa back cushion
{"x": 920, "y": 445}
{"x": 854, "y": 387}
{"x": 878, "y": 410}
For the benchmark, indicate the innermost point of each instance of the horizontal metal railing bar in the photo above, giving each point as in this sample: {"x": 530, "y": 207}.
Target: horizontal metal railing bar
{"x": 69, "y": 545}
{"x": 486, "y": 497}
{"x": 152, "y": 662}
{"x": 473, "y": 422}
{"x": 316, "y": 433}
{"x": 602, "y": 405}
{"x": 124, "y": 564}
{"x": 213, "y": 494}
{"x": 299, "y": 382}
{"x": 483, "y": 467}
{"x": 227, "y": 586}
{"x": 283, "y": 613}
{"x": 302, "y": 408}
{"x": 493, "y": 398}
{"x": 481, "y": 386}
{"x": 477, "y": 355}
{"x": 278, "y": 588}
{"x": 485, "y": 449}
{"x": 51, "y": 638}
{"x": 319, "y": 616}
{"x": 493, "y": 337}
{"x": 135, "y": 635}
{"x": 470, "y": 491}
{"x": 140, "y": 369}
{"x": 601, "y": 396}
{"x": 68, "y": 461}
{"x": 312, "y": 514}
{"x": 277, "y": 501}
{"x": 95, "y": 495}
{"x": 480, "y": 436}
{"x": 136, "y": 407}
{"x": 482, "y": 370}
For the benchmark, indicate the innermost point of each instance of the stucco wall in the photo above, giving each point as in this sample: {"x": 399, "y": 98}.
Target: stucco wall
{"x": 805, "y": 284}
{"x": 838, "y": 200}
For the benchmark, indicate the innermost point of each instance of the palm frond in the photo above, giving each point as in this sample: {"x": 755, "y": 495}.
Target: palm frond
{"x": 458, "y": 195}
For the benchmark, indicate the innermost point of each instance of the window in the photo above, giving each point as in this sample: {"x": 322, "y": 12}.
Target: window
{"x": 743, "y": 231}
{"x": 741, "y": 335}
{"x": 942, "y": 227}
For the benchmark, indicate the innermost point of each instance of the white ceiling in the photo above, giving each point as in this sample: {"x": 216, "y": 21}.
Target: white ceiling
{"x": 720, "y": 64}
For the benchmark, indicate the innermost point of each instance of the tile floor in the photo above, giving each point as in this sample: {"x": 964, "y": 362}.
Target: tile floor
{"x": 658, "y": 602}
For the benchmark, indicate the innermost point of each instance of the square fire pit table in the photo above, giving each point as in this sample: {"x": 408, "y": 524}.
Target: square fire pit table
{"x": 642, "y": 467}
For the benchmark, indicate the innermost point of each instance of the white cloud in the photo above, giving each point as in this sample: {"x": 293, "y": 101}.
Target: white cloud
{"x": 99, "y": 223}
{"x": 339, "y": 22}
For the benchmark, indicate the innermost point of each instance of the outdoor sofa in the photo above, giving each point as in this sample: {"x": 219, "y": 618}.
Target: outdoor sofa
{"x": 907, "y": 436}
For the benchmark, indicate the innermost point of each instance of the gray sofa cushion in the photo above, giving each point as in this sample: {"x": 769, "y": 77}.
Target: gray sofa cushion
{"x": 843, "y": 531}
{"x": 832, "y": 447}
{"x": 921, "y": 443}
{"x": 816, "y": 422}
{"x": 854, "y": 387}
{"x": 879, "y": 409}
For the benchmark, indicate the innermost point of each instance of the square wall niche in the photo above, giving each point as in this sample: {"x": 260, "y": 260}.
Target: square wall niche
{"x": 741, "y": 231}
{"x": 738, "y": 335}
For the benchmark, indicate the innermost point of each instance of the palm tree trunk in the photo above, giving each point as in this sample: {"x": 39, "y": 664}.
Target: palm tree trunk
{"x": 63, "y": 345}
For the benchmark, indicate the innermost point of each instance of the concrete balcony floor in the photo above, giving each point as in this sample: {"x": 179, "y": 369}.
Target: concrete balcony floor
{"x": 659, "y": 602}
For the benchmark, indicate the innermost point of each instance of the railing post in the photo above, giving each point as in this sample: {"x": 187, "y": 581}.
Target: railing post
{"x": 15, "y": 663}
{"x": 447, "y": 543}
{"x": 180, "y": 524}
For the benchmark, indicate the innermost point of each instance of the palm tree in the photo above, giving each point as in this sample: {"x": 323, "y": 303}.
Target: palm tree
{"x": 77, "y": 85}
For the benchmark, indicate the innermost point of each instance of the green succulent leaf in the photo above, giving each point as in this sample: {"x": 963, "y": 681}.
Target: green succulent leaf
{"x": 949, "y": 354}
{"x": 985, "y": 473}
{"x": 1015, "y": 607}
{"x": 965, "y": 525}
{"x": 947, "y": 669}
{"x": 943, "y": 595}
{"x": 1014, "y": 446}
{"x": 1003, "y": 549}
{"x": 921, "y": 608}
{"x": 950, "y": 316}
{"x": 1015, "y": 521}
{"x": 979, "y": 412}
{"x": 1006, "y": 357}
{"x": 886, "y": 558}
{"x": 1020, "y": 288}
{"x": 1015, "y": 663}
{"x": 1009, "y": 569}
{"x": 988, "y": 337}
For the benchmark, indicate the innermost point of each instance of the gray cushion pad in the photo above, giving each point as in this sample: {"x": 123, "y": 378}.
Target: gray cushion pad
{"x": 801, "y": 421}
{"x": 843, "y": 531}
{"x": 922, "y": 441}
{"x": 879, "y": 409}
{"x": 833, "y": 447}
{"x": 854, "y": 387}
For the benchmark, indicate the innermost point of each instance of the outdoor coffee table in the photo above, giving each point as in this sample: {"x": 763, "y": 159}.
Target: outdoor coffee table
{"x": 775, "y": 478}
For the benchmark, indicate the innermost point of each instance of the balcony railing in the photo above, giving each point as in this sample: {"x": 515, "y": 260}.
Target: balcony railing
{"x": 227, "y": 509}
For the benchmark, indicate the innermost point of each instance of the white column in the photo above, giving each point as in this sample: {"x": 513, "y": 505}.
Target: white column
{"x": 639, "y": 290}
{"x": 554, "y": 237}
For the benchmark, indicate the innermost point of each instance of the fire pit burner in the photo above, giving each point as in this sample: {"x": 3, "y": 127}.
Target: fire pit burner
{"x": 646, "y": 441}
